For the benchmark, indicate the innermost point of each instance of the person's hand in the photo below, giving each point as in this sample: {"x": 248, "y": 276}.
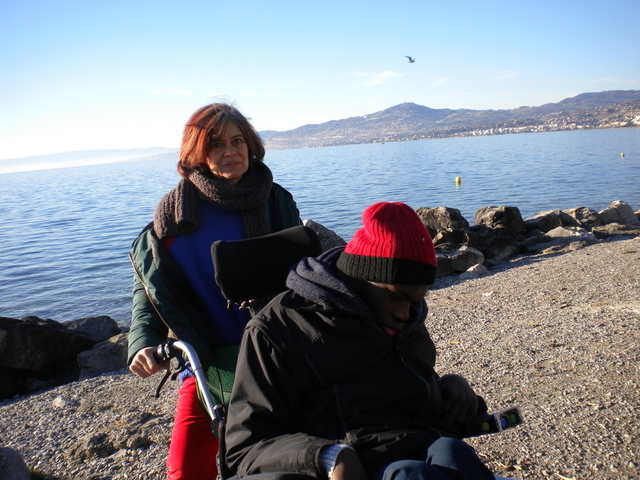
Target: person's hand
{"x": 460, "y": 401}
{"x": 348, "y": 467}
{"x": 144, "y": 363}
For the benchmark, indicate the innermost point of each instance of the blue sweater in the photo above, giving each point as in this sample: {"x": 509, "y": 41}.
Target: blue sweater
{"x": 192, "y": 252}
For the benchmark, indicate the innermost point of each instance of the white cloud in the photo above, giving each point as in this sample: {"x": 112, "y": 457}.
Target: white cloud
{"x": 506, "y": 74}
{"x": 438, "y": 81}
{"x": 378, "y": 78}
{"x": 171, "y": 91}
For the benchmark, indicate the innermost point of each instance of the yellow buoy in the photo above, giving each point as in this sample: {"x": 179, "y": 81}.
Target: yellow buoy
{"x": 458, "y": 180}
{"x": 622, "y": 154}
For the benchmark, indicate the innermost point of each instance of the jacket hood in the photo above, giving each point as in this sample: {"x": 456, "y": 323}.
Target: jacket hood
{"x": 315, "y": 280}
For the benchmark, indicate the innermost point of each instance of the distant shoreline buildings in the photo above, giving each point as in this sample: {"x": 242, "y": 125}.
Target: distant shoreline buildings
{"x": 409, "y": 121}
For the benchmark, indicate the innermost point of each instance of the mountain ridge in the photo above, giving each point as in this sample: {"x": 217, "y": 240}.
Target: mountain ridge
{"x": 410, "y": 121}
{"x": 402, "y": 122}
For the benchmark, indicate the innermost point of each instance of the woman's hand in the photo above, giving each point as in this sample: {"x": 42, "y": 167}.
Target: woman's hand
{"x": 460, "y": 401}
{"x": 144, "y": 363}
{"x": 348, "y": 467}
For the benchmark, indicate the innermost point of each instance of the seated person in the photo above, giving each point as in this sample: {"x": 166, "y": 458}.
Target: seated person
{"x": 335, "y": 377}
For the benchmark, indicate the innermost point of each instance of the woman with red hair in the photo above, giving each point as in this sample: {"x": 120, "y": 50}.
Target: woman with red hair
{"x": 226, "y": 193}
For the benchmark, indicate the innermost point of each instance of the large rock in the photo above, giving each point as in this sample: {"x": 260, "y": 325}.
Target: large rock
{"x": 456, "y": 260}
{"x": 106, "y": 356}
{"x": 12, "y": 466}
{"x": 445, "y": 225}
{"x": 328, "y": 238}
{"x": 34, "y": 344}
{"x": 494, "y": 243}
{"x": 445, "y": 264}
{"x": 98, "y": 328}
{"x": 586, "y": 217}
{"x": 500, "y": 217}
{"x": 619, "y": 212}
{"x": 40, "y": 353}
{"x": 613, "y": 229}
{"x": 562, "y": 236}
{"x": 550, "y": 219}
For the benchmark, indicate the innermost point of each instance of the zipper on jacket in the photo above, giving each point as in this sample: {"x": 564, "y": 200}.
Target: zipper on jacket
{"x": 146, "y": 291}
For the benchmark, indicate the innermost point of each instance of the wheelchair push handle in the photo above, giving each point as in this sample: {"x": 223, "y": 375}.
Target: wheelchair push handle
{"x": 172, "y": 349}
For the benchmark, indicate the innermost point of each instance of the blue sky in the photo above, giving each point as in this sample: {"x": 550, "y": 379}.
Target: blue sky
{"x": 83, "y": 75}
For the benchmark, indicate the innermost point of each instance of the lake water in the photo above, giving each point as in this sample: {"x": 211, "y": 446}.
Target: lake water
{"x": 65, "y": 233}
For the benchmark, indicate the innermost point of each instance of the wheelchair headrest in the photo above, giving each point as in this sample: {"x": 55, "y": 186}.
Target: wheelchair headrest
{"x": 258, "y": 267}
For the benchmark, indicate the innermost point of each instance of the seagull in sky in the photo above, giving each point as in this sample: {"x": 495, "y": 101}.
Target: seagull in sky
{"x": 411, "y": 60}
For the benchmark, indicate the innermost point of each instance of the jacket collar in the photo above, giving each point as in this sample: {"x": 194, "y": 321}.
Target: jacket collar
{"x": 315, "y": 280}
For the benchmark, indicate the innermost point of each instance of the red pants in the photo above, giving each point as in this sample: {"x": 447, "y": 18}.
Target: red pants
{"x": 193, "y": 449}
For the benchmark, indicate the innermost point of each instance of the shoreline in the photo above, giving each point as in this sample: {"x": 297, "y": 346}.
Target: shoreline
{"x": 555, "y": 334}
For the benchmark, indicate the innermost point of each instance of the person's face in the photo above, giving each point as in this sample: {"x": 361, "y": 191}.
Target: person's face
{"x": 228, "y": 157}
{"x": 390, "y": 303}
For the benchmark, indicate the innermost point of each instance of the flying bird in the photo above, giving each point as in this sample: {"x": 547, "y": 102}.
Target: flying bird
{"x": 411, "y": 60}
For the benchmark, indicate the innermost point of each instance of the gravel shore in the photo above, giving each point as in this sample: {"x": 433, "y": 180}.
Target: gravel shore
{"x": 556, "y": 335}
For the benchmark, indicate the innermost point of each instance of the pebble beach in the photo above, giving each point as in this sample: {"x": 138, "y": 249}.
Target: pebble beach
{"x": 557, "y": 335}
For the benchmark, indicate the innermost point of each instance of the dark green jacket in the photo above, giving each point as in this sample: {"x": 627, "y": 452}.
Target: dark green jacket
{"x": 163, "y": 300}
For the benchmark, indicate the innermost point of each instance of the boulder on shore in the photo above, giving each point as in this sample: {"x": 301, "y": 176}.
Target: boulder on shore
{"x": 500, "y": 233}
{"x": 106, "y": 356}
{"x": 40, "y": 353}
{"x": 12, "y": 466}
{"x": 619, "y": 212}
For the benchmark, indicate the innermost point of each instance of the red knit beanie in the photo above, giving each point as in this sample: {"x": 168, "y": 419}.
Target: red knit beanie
{"x": 393, "y": 246}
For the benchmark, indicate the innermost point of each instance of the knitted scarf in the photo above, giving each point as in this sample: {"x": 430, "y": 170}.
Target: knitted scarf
{"x": 178, "y": 212}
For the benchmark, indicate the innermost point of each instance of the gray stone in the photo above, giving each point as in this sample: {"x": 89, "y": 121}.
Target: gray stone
{"x": 496, "y": 217}
{"x": 445, "y": 264}
{"x": 494, "y": 243}
{"x": 468, "y": 276}
{"x": 550, "y": 219}
{"x": 619, "y": 212}
{"x": 572, "y": 233}
{"x": 63, "y": 402}
{"x": 107, "y": 356}
{"x": 480, "y": 269}
{"x": 561, "y": 236}
{"x": 98, "y": 328}
{"x": 613, "y": 229}
{"x": 328, "y": 238}
{"x": 476, "y": 271}
{"x": 586, "y": 217}
{"x": 35, "y": 344}
{"x": 12, "y": 466}
{"x": 466, "y": 257}
{"x": 444, "y": 224}
{"x": 456, "y": 259}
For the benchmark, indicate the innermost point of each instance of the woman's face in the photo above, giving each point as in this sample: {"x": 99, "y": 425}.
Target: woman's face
{"x": 228, "y": 157}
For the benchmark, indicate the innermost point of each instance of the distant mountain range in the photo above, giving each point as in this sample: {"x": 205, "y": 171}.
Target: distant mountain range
{"x": 409, "y": 121}
{"x": 83, "y": 158}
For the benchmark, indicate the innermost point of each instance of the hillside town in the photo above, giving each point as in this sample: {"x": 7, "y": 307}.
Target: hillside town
{"x": 617, "y": 116}
{"x": 605, "y": 117}
{"x": 413, "y": 122}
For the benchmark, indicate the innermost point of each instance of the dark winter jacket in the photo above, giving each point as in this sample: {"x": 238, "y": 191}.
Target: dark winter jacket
{"x": 315, "y": 369}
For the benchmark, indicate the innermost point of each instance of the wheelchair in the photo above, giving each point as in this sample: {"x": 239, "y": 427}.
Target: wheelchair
{"x": 257, "y": 269}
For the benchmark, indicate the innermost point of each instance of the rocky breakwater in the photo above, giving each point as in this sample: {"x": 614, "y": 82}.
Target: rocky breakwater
{"x": 500, "y": 233}
{"x": 36, "y": 353}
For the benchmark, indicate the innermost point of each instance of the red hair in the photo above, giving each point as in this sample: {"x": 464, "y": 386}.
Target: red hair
{"x": 207, "y": 124}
